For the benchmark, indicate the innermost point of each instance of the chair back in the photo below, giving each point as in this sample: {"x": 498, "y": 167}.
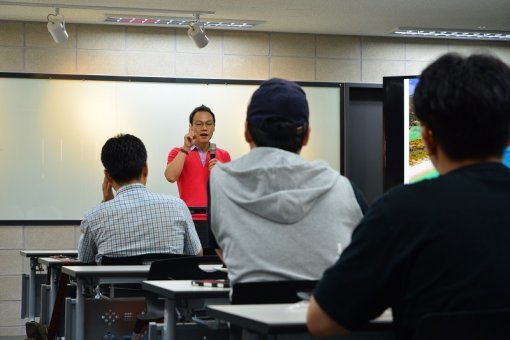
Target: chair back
{"x": 467, "y": 325}
{"x": 138, "y": 259}
{"x": 185, "y": 268}
{"x": 271, "y": 291}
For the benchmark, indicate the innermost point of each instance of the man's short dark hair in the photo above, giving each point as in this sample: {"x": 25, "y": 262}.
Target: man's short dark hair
{"x": 124, "y": 157}
{"x": 465, "y": 101}
{"x": 278, "y": 133}
{"x": 201, "y": 108}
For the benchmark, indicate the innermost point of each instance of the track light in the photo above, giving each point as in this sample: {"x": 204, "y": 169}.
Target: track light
{"x": 57, "y": 26}
{"x": 197, "y": 33}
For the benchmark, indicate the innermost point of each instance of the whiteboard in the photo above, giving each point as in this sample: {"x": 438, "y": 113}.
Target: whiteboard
{"x": 52, "y": 132}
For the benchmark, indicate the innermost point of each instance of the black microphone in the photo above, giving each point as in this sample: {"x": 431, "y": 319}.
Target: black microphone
{"x": 212, "y": 149}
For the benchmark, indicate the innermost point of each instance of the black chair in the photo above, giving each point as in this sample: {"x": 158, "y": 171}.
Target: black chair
{"x": 131, "y": 289}
{"x": 185, "y": 268}
{"x": 465, "y": 325}
{"x": 289, "y": 291}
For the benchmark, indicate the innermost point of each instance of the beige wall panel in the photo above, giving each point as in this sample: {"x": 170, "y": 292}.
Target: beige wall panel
{"x": 101, "y": 62}
{"x": 11, "y": 237}
{"x": 246, "y": 67}
{"x": 296, "y": 45}
{"x": 150, "y": 39}
{"x": 415, "y": 67}
{"x": 336, "y": 70}
{"x": 10, "y": 312}
{"x": 11, "y": 59}
{"x": 11, "y": 262}
{"x": 382, "y": 48}
{"x": 331, "y": 46}
{"x": 245, "y": 43}
{"x": 293, "y": 68}
{"x": 11, "y": 33}
{"x": 50, "y": 60}
{"x": 198, "y": 65}
{"x": 10, "y": 288}
{"x": 151, "y": 64}
{"x": 101, "y": 37}
{"x": 50, "y": 237}
{"x": 13, "y": 330}
{"x": 425, "y": 49}
{"x": 469, "y": 47}
{"x": 373, "y": 71}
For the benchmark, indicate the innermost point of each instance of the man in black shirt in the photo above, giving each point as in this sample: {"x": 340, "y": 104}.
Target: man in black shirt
{"x": 439, "y": 245}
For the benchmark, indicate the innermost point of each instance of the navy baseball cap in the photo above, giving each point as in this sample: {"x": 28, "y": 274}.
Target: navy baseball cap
{"x": 278, "y": 98}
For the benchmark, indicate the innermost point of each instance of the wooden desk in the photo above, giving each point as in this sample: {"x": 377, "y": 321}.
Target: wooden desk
{"x": 174, "y": 290}
{"x": 271, "y": 320}
{"x": 34, "y": 255}
{"x": 99, "y": 275}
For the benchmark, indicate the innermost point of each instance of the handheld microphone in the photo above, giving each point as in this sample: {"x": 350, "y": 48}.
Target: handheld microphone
{"x": 212, "y": 149}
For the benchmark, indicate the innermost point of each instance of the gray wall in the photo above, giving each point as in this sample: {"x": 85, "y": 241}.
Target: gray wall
{"x": 107, "y": 50}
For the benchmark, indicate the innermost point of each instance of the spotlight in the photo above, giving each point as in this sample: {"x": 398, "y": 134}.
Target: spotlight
{"x": 57, "y": 27}
{"x": 197, "y": 33}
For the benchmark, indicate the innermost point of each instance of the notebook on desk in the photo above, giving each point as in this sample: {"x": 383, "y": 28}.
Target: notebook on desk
{"x": 211, "y": 283}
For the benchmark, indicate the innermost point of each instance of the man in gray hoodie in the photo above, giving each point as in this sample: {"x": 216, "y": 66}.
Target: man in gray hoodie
{"x": 275, "y": 215}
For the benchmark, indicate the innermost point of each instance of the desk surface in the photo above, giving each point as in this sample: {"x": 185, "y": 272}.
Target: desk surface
{"x": 183, "y": 288}
{"x": 271, "y": 318}
{"x": 62, "y": 261}
{"x": 46, "y": 253}
{"x": 106, "y": 271}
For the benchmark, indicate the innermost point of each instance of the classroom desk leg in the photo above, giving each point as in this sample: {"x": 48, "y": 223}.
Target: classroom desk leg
{"x": 80, "y": 310}
{"x": 55, "y": 274}
{"x": 170, "y": 323}
{"x": 31, "y": 288}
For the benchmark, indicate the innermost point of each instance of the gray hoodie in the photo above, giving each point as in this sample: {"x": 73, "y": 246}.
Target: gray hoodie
{"x": 277, "y": 216}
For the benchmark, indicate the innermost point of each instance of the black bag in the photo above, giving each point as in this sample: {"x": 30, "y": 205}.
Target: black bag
{"x": 36, "y": 331}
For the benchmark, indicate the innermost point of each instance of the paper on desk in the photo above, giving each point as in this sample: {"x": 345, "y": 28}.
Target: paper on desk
{"x": 209, "y": 268}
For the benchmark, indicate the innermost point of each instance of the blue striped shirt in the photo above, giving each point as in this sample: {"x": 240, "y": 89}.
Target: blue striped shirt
{"x": 137, "y": 222}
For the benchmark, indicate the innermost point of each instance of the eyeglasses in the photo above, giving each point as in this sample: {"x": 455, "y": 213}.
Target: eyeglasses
{"x": 200, "y": 124}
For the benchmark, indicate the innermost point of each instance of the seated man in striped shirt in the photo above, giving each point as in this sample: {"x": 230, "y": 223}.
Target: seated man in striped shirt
{"x": 134, "y": 221}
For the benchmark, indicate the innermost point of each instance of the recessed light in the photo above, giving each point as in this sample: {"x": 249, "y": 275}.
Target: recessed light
{"x": 178, "y": 22}
{"x": 452, "y": 34}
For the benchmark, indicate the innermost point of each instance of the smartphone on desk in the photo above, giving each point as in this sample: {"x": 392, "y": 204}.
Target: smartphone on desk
{"x": 211, "y": 283}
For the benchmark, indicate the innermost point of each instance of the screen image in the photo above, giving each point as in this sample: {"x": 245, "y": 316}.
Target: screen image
{"x": 417, "y": 164}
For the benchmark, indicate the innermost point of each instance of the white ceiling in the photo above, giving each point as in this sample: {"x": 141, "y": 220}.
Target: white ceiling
{"x": 343, "y": 17}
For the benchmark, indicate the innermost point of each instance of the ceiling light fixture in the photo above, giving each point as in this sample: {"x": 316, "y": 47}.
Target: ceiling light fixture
{"x": 197, "y": 33}
{"x": 452, "y": 34}
{"x": 128, "y": 19}
{"x": 57, "y": 26}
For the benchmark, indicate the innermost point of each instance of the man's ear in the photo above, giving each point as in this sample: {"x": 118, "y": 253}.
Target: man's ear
{"x": 145, "y": 170}
{"x": 247, "y": 134}
{"x": 307, "y": 136}
{"x": 428, "y": 140}
{"x": 108, "y": 177}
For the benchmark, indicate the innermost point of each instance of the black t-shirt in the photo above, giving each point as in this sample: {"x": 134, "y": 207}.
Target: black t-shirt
{"x": 435, "y": 246}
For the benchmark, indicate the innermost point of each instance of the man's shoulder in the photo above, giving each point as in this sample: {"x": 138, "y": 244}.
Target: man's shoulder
{"x": 160, "y": 197}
